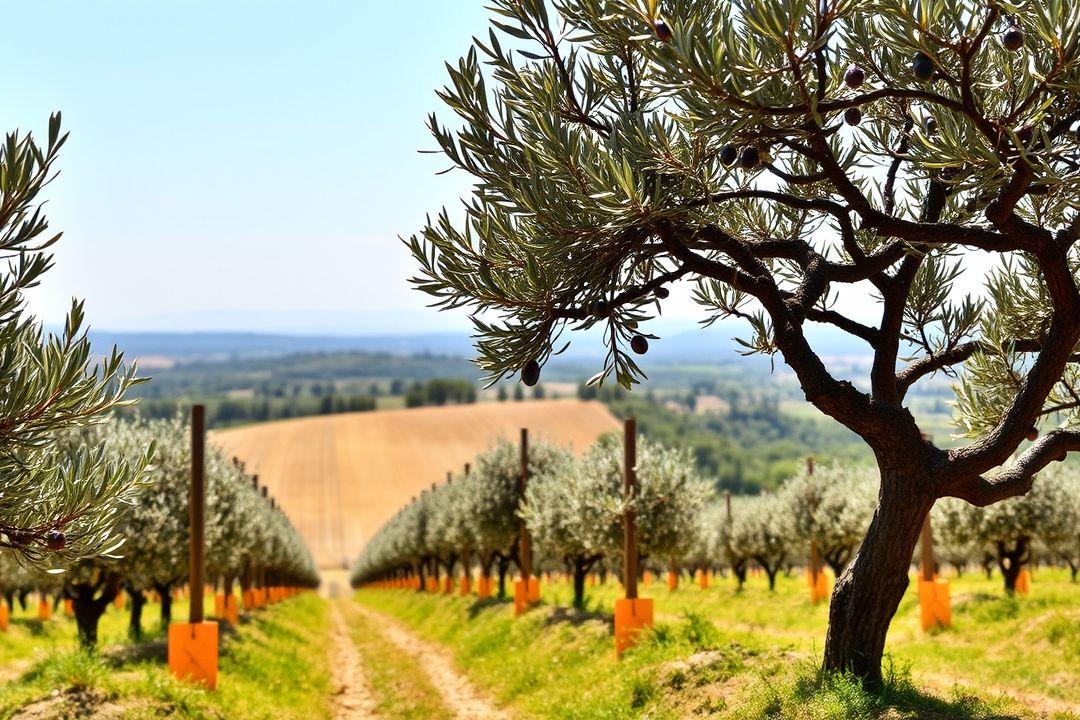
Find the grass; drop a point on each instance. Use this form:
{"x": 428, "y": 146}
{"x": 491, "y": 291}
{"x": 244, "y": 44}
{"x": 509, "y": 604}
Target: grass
{"x": 274, "y": 665}
{"x": 753, "y": 654}
{"x": 401, "y": 687}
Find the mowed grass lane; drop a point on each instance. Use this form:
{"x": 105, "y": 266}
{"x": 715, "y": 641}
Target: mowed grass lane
{"x": 753, "y": 653}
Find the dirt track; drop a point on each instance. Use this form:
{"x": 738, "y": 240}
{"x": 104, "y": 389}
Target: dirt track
{"x": 458, "y": 694}
{"x": 353, "y": 699}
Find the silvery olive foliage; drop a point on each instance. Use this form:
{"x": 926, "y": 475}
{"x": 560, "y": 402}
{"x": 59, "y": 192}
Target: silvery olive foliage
{"x": 1064, "y": 539}
{"x": 831, "y": 506}
{"x": 707, "y": 549}
{"x": 153, "y": 524}
{"x": 667, "y": 504}
{"x": 1014, "y": 529}
{"x": 49, "y": 386}
{"x": 477, "y": 513}
{"x": 954, "y": 534}
{"x": 573, "y": 507}
{"x": 762, "y": 530}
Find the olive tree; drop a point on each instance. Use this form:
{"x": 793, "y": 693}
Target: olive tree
{"x": 831, "y": 506}
{"x": 763, "y": 531}
{"x": 1065, "y": 542}
{"x": 954, "y": 534}
{"x": 558, "y": 514}
{"x": 60, "y": 504}
{"x": 1011, "y": 528}
{"x": 667, "y": 502}
{"x": 774, "y": 152}
{"x": 493, "y": 499}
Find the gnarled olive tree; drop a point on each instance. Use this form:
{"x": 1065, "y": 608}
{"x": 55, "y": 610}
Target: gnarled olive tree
{"x": 774, "y": 151}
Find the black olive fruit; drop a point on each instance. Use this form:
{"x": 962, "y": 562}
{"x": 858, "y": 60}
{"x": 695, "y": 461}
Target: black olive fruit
{"x": 729, "y": 154}
{"x": 662, "y": 292}
{"x": 854, "y": 77}
{"x": 749, "y": 158}
{"x": 639, "y": 344}
{"x": 922, "y": 66}
{"x": 530, "y": 374}
{"x": 599, "y": 308}
{"x": 56, "y": 540}
{"x": 663, "y": 32}
{"x": 930, "y": 125}
{"x": 853, "y": 116}
{"x": 1013, "y": 38}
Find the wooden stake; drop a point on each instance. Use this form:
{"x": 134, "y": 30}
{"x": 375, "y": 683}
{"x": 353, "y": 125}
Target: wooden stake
{"x": 927, "y": 562}
{"x": 197, "y": 513}
{"x": 525, "y": 547}
{"x": 468, "y": 467}
{"x": 630, "y": 550}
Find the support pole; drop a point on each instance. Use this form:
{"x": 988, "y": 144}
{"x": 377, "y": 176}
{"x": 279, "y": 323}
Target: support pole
{"x": 632, "y": 613}
{"x": 197, "y": 514}
{"x": 523, "y": 483}
{"x": 193, "y": 646}
{"x": 526, "y": 590}
{"x": 630, "y": 551}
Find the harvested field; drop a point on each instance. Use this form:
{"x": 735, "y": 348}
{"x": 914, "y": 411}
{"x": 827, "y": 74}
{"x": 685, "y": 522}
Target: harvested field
{"x": 340, "y": 477}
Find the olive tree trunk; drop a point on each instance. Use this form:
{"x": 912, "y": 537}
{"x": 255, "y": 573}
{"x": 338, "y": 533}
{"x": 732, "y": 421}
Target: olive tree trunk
{"x": 872, "y": 585}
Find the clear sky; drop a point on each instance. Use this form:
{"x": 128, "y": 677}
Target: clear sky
{"x": 240, "y": 164}
{"x": 244, "y": 165}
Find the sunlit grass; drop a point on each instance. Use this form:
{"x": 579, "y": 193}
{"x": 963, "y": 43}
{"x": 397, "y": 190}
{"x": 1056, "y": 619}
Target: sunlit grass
{"x": 759, "y": 652}
{"x": 274, "y": 666}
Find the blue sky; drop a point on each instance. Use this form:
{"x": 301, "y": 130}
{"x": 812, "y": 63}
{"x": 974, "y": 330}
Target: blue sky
{"x": 249, "y": 164}
{"x": 241, "y": 164}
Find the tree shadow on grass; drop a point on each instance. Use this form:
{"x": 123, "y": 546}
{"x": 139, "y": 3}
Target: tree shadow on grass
{"x": 155, "y": 650}
{"x": 575, "y": 617}
{"x": 35, "y": 627}
{"x": 482, "y": 604}
{"x": 817, "y": 688}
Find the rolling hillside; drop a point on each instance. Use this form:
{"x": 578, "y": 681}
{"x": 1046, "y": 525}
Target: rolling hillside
{"x": 340, "y": 477}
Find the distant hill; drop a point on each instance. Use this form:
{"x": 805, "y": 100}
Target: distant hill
{"x": 341, "y": 477}
{"x": 680, "y": 343}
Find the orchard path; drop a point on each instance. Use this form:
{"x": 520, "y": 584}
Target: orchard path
{"x": 353, "y": 699}
{"x": 458, "y": 694}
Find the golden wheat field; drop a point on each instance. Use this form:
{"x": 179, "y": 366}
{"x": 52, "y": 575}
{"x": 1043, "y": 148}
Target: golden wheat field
{"x": 342, "y": 476}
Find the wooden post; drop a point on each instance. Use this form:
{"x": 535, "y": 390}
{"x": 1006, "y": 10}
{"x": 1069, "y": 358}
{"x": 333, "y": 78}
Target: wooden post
{"x": 818, "y": 590}
{"x": 526, "y": 590}
{"x": 727, "y": 502}
{"x": 935, "y": 605}
{"x": 630, "y": 551}
{"x": 926, "y": 558}
{"x": 468, "y": 467}
{"x": 193, "y": 646}
{"x": 523, "y": 483}
{"x": 631, "y": 613}
{"x": 197, "y": 514}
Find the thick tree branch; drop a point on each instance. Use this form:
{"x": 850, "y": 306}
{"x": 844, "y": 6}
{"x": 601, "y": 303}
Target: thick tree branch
{"x": 1019, "y": 477}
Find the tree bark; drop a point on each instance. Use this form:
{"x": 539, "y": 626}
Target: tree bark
{"x": 138, "y": 601}
{"x": 165, "y": 591}
{"x": 89, "y": 601}
{"x": 1011, "y": 562}
{"x": 870, "y": 589}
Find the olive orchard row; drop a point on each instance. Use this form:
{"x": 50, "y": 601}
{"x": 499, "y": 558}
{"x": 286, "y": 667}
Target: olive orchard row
{"x": 574, "y": 513}
{"x": 250, "y": 542}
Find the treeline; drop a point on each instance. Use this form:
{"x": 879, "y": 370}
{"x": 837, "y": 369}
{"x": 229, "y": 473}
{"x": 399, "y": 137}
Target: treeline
{"x": 748, "y": 445}
{"x": 440, "y": 391}
{"x": 222, "y": 412}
